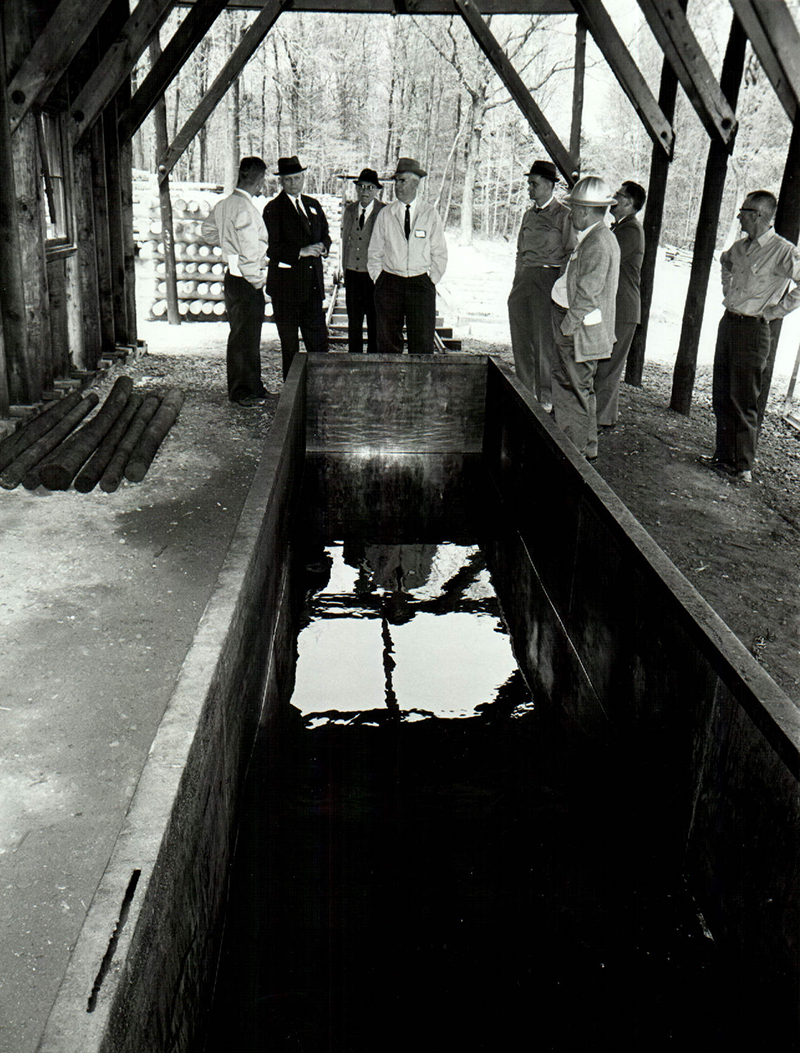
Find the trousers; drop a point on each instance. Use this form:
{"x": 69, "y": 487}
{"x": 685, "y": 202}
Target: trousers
{"x": 574, "y": 401}
{"x": 307, "y": 316}
{"x": 743, "y": 346}
{"x": 608, "y": 379}
{"x": 359, "y": 292}
{"x": 531, "y": 325}
{"x": 410, "y": 300}
{"x": 244, "y": 305}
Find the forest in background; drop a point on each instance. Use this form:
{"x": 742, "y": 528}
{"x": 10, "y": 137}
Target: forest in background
{"x": 348, "y": 91}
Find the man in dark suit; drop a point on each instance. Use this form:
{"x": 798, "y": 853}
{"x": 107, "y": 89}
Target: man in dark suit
{"x": 358, "y": 219}
{"x": 628, "y": 230}
{"x": 298, "y": 240}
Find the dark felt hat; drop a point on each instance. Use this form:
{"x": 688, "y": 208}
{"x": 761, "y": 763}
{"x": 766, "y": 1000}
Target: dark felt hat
{"x": 368, "y": 175}
{"x": 408, "y": 164}
{"x": 289, "y": 166}
{"x": 544, "y": 168}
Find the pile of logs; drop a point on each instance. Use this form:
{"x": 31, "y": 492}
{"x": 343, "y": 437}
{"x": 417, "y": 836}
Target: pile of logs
{"x": 122, "y": 438}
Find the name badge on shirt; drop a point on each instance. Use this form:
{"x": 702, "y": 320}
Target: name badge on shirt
{"x": 420, "y": 234}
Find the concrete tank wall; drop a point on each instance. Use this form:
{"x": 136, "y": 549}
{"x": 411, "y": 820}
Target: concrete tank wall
{"x": 142, "y": 969}
{"x": 603, "y": 625}
{"x": 607, "y": 627}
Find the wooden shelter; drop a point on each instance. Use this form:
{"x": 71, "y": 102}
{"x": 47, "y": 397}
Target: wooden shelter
{"x": 68, "y": 114}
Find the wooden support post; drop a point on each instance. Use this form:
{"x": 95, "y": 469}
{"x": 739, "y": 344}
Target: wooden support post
{"x": 653, "y": 218}
{"x": 577, "y": 93}
{"x": 20, "y": 382}
{"x": 787, "y": 224}
{"x": 115, "y": 228}
{"x": 167, "y": 229}
{"x": 486, "y": 41}
{"x": 162, "y": 71}
{"x": 671, "y": 29}
{"x": 652, "y": 114}
{"x": 21, "y": 25}
{"x": 229, "y": 72}
{"x": 705, "y": 238}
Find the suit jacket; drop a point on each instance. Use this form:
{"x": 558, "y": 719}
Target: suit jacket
{"x": 290, "y": 276}
{"x": 355, "y": 241}
{"x": 630, "y": 236}
{"x": 592, "y": 276}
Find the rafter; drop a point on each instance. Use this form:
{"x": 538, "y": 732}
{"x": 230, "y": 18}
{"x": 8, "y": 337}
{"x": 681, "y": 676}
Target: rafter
{"x": 227, "y": 75}
{"x": 186, "y": 38}
{"x": 63, "y": 37}
{"x": 676, "y": 39}
{"x": 519, "y": 93}
{"x": 117, "y": 63}
{"x": 630, "y": 79}
{"x": 773, "y": 33}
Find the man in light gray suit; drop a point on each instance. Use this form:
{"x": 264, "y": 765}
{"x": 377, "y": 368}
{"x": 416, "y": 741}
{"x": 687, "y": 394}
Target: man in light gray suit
{"x": 584, "y": 307}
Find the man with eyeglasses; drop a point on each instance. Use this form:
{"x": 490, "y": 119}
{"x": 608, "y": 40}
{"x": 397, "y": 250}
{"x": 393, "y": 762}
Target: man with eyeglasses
{"x": 760, "y": 283}
{"x": 629, "y": 234}
{"x": 358, "y": 220}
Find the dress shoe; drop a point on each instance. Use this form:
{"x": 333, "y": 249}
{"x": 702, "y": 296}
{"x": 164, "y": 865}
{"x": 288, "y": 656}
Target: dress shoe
{"x": 716, "y": 464}
{"x": 250, "y": 403}
{"x": 744, "y": 476}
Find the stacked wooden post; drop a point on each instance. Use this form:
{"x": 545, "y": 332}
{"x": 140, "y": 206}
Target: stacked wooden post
{"x": 200, "y": 267}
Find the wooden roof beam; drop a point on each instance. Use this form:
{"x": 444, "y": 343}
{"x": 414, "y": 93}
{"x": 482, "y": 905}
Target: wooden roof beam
{"x": 64, "y": 35}
{"x": 671, "y": 29}
{"x": 110, "y": 74}
{"x": 185, "y": 39}
{"x": 227, "y": 75}
{"x": 415, "y": 7}
{"x": 488, "y": 44}
{"x": 774, "y": 36}
{"x": 626, "y": 71}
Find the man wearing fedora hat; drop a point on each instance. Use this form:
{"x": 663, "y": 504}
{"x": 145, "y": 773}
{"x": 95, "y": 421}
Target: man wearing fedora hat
{"x": 407, "y": 257}
{"x": 546, "y": 238}
{"x": 358, "y": 220}
{"x": 584, "y": 311}
{"x": 235, "y": 224}
{"x": 298, "y": 240}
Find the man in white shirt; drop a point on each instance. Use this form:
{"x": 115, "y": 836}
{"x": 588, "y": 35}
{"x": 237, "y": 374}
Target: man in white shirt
{"x": 406, "y": 259}
{"x": 235, "y": 224}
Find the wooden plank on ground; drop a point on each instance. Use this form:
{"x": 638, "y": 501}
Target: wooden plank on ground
{"x": 676, "y": 39}
{"x": 488, "y": 44}
{"x": 117, "y": 62}
{"x": 628, "y": 75}
{"x": 63, "y": 37}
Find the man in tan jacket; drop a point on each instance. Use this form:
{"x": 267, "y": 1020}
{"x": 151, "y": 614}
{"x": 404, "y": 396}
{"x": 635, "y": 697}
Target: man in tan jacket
{"x": 584, "y": 306}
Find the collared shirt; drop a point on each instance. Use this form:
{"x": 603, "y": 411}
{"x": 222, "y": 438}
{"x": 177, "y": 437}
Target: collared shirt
{"x": 365, "y": 212}
{"x": 761, "y": 277}
{"x": 546, "y": 236}
{"x": 423, "y": 252}
{"x": 558, "y": 294}
{"x": 236, "y": 225}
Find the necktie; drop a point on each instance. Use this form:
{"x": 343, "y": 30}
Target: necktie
{"x": 361, "y": 219}
{"x": 407, "y": 224}
{"x": 300, "y": 211}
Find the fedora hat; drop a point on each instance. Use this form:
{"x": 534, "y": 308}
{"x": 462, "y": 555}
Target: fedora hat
{"x": 289, "y": 166}
{"x": 544, "y": 168}
{"x": 408, "y": 164}
{"x": 591, "y": 190}
{"x": 368, "y": 175}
